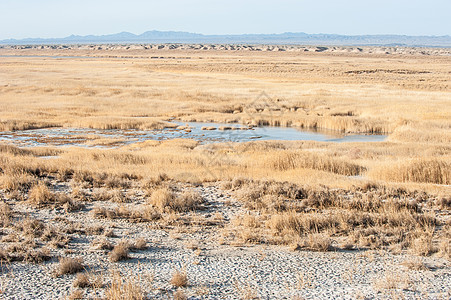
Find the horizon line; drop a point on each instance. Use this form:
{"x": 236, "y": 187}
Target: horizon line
{"x": 236, "y": 34}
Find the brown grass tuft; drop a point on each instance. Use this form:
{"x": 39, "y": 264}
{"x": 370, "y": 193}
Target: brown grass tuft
{"x": 422, "y": 245}
{"x": 288, "y": 160}
{"x": 5, "y": 214}
{"x": 82, "y": 281}
{"x": 40, "y": 194}
{"x": 102, "y": 244}
{"x": 179, "y": 278}
{"x": 162, "y": 198}
{"x": 69, "y": 265}
{"x": 16, "y": 182}
{"x": 120, "y": 252}
{"x": 123, "y": 289}
{"x": 318, "y": 242}
{"x": 76, "y": 295}
{"x": 31, "y": 227}
{"x": 165, "y": 199}
{"x": 436, "y": 171}
{"x": 140, "y": 244}
{"x": 180, "y": 295}
{"x": 415, "y": 264}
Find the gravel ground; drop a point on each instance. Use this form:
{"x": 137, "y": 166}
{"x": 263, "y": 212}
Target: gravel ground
{"x": 218, "y": 271}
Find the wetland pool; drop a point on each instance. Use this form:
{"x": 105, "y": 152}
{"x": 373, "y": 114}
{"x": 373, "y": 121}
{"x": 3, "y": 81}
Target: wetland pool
{"x": 203, "y": 132}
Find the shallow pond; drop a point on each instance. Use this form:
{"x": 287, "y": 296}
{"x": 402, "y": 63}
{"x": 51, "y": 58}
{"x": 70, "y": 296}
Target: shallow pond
{"x": 203, "y": 132}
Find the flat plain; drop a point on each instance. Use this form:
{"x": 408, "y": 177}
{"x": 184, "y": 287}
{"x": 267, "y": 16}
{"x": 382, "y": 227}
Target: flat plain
{"x": 98, "y": 215}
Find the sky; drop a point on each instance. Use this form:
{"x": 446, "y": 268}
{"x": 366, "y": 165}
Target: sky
{"x": 61, "y": 18}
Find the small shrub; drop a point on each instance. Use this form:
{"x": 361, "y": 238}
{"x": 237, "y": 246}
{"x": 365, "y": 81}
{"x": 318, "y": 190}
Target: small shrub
{"x": 16, "y": 183}
{"x": 82, "y": 281}
{"x": 161, "y": 198}
{"x": 180, "y": 295}
{"x": 179, "y": 278}
{"x": 422, "y": 245}
{"x": 69, "y": 265}
{"x": 188, "y": 200}
{"x": 76, "y": 295}
{"x": 4, "y": 257}
{"x": 164, "y": 198}
{"x": 120, "y": 252}
{"x": 140, "y": 244}
{"x": 415, "y": 264}
{"x": 121, "y": 289}
{"x": 102, "y": 244}
{"x": 40, "y": 195}
{"x": 31, "y": 227}
{"x": 94, "y": 230}
{"x": 445, "y": 248}
{"x": 5, "y": 214}
{"x": 318, "y": 242}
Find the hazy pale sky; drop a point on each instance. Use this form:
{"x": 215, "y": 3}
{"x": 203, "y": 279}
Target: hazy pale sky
{"x": 60, "y": 18}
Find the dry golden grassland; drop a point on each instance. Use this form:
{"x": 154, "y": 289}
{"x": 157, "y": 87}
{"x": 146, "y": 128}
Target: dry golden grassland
{"x": 405, "y": 96}
{"x": 393, "y": 195}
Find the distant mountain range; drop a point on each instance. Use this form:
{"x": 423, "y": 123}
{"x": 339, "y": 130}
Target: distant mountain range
{"x": 282, "y": 38}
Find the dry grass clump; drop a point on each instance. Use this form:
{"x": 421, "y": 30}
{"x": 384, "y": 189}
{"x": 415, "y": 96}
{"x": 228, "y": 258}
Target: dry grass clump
{"x": 118, "y": 197}
{"x": 36, "y": 256}
{"x": 152, "y": 183}
{"x": 422, "y": 245}
{"x": 3, "y": 255}
{"x": 318, "y": 242}
{"x": 20, "y": 247}
{"x": 26, "y": 253}
{"x": 268, "y": 195}
{"x": 415, "y": 264}
{"x": 14, "y": 125}
{"x": 108, "y": 123}
{"x": 89, "y": 179}
{"x": 88, "y": 280}
{"x": 179, "y": 278}
{"x": 308, "y": 225}
{"x": 120, "y": 252}
{"x": 20, "y": 182}
{"x": 139, "y": 244}
{"x": 40, "y": 194}
{"x": 188, "y": 200}
{"x": 54, "y": 238}
{"x": 103, "y": 213}
{"x": 140, "y": 214}
{"x": 162, "y": 198}
{"x": 165, "y": 199}
{"x": 76, "y": 295}
{"x": 102, "y": 244}
{"x": 445, "y": 248}
{"x": 436, "y": 171}
{"x": 31, "y": 227}
{"x": 122, "y": 249}
{"x": 392, "y": 280}
{"x": 431, "y": 134}
{"x": 82, "y": 281}
{"x": 115, "y": 182}
{"x": 373, "y": 217}
{"x": 100, "y": 196}
{"x": 5, "y": 214}
{"x": 122, "y": 289}
{"x": 95, "y": 230}
{"x": 69, "y": 265}
{"x": 180, "y": 295}
{"x": 288, "y": 160}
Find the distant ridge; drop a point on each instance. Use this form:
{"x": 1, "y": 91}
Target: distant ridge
{"x": 295, "y": 38}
